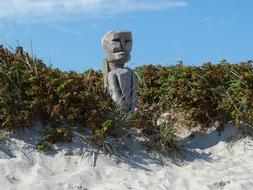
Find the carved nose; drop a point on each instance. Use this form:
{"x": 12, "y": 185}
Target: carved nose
{"x": 122, "y": 43}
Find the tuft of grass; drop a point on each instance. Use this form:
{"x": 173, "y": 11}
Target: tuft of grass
{"x": 3, "y": 135}
{"x": 168, "y": 138}
{"x": 44, "y": 147}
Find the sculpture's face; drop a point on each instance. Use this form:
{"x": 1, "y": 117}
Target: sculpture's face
{"x": 118, "y": 45}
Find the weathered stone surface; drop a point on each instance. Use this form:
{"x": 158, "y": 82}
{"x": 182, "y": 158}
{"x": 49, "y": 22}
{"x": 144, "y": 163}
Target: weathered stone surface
{"x": 119, "y": 81}
{"x": 122, "y": 87}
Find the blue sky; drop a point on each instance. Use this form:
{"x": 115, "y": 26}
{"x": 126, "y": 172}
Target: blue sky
{"x": 67, "y": 33}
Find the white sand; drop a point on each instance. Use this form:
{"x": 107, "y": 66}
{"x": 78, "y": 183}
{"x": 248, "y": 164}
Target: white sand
{"x": 207, "y": 163}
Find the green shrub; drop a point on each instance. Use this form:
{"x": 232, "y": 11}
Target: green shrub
{"x": 29, "y": 91}
{"x": 199, "y": 95}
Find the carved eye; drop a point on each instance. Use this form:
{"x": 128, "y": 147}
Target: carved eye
{"x": 128, "y": 41}
{"x": 116, "y": 40}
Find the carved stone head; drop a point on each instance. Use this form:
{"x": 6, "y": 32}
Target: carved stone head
{"x": 117, "y": 45}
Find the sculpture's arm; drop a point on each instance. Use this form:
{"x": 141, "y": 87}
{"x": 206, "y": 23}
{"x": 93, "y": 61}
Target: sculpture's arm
{"x": 114, "y": 88}
{"x": 105, "y": 73}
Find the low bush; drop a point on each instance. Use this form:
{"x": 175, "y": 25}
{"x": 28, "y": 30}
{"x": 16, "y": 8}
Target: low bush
{"x": 195, "y": 96}
{"x": 30, "y": 91}
{"x": 199, "y": 95}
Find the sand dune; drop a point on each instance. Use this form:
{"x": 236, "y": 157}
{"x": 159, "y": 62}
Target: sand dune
{"x": 207, "y": 162}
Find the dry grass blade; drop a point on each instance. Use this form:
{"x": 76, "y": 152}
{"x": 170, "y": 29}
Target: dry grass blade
{"x": 4, "y": 137}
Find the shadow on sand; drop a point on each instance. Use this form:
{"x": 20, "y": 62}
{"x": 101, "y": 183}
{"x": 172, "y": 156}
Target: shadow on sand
{"x": 132, "y": 151}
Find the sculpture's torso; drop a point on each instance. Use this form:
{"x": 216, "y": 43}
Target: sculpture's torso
{"x": 122, "y": 87}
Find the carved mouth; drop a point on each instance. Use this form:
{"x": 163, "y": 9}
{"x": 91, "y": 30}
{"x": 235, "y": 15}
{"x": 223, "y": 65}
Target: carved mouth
{"x": 121, "y": 54}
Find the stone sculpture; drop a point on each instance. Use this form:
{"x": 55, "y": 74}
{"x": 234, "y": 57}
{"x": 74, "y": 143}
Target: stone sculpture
{"x": 119, "y": 81}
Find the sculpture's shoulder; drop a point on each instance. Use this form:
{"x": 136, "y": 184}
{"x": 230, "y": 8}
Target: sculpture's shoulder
{"x": 121, "y": 71}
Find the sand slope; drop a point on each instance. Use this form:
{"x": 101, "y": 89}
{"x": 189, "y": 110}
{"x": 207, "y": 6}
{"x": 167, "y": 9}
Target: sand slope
{"x": 208, "y": 162}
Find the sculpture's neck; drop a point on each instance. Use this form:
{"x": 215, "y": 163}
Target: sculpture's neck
{"x": 114, "y": 66}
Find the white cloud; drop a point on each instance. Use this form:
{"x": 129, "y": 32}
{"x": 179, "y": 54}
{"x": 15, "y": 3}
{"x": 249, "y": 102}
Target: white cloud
{"x": 24, "y": 10}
